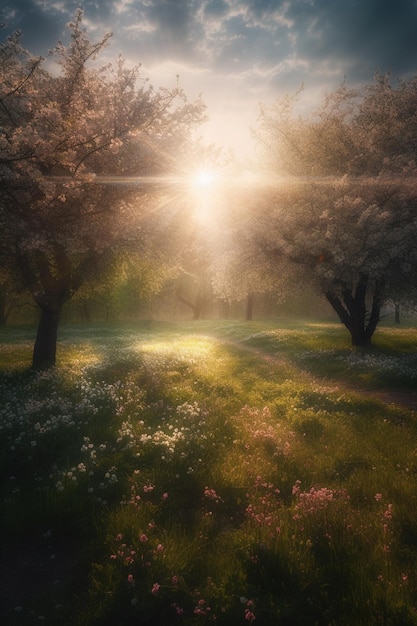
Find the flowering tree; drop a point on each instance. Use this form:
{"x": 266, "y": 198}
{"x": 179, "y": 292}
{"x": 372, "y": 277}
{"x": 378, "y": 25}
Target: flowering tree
{"x": 68, "y": 135}
{"x": 343, "y": 197}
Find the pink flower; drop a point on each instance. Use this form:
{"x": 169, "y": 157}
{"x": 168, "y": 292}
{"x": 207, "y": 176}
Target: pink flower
{"x": 175, "y": 580}
{"x": 165, "y": 496}
{"x": 177, "y": 609}
{"x": 198, "y": 611}
{"x": 143, "y": 538}
{"x": 212, "y": 495}
{"x": 249, "y": 616}
{"x": 130, "y": 579}
{"x": 296, "y": 488}
{"x": 159, "y": 547}
{"x": 155, "y": 589}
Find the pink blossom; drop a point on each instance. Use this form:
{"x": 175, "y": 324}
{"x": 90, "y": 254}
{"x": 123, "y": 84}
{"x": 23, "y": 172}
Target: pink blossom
{"x": 212, "y": 495}
{"x": 130, "y": 579}
{"x": 296, "y": 488}
{"x": 159, "y": 547}
{"x": 177, "y": 609}
{"x": 249, "y": 616}
{"x": 143, "y": 538}
{"x": 155, "y": 589}
{"x": 388, "y": 512}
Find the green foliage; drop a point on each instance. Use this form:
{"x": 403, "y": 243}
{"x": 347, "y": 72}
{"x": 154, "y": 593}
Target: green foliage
{"x": 201, "y": 476}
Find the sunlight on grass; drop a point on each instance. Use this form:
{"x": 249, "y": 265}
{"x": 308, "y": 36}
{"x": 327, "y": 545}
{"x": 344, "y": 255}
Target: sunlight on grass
{"x": 193, "y": 347}
{"x": 199, "y": 482}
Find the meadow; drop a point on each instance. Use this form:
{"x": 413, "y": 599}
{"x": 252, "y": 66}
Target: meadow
{"x": 222, "y": 473}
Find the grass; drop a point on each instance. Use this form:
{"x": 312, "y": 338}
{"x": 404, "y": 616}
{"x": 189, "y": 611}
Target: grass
{"x": 172, "y": 475}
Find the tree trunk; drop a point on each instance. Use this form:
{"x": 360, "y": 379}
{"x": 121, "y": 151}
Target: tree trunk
{"x": 44, "y": 352}
{"x": 197, "y": 307}
{"x": 249, "y": 307}
{"x": 3, "y": 307}
{"x": 352, "y": 312}
{"x": 397, "y": 313}
{"x": 6, "y": 303}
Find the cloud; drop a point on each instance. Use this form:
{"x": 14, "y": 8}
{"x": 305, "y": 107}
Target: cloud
{"x": 360, "y": 36}
{"x": 238, "y": 52}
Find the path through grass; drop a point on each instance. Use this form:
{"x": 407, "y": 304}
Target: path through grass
{"x": 166, "y": 476}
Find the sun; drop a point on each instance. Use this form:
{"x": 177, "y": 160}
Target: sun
{"x": 204, "y": 193}
{"x": 203, "y": 179}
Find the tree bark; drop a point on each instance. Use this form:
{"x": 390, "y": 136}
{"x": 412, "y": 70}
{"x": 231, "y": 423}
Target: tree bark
{"x": 51, "y": 281}
{"x": 249, "y": 307}
{"x": 197, "y": 307}
{"x": 3, "y": 305}
{"x": 352, "y": 312}
{"x": 44, "y": 352}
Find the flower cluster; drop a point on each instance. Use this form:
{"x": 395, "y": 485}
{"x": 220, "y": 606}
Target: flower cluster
{"x": 314, "y": 500}
{"x": 264, "y": 506}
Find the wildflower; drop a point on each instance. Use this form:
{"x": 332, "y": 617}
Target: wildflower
{"x": 175, "y": 580}
{"x": 159, "y": 547}
{"x": 378, "y": 497}
{"x": 177, "y": 609}
{"x": 143, "y": 538}
{"x": 212, "y": 495}
{"x": 388, "y": 512}
{"x": 155, "y": 589}
{"x": 249, "y": 614}
{"x": 130, "y": 579}
{"x": 296, "y": 488}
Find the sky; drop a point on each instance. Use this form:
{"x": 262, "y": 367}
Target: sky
{"x": 237, "y": 53}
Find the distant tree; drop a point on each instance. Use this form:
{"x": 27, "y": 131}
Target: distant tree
{"x": 240, "y": 269}
{"x": 68, "y": 135}
{"x": 342, "y": 199}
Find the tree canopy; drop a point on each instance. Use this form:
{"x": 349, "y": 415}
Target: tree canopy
{"x": 70, "y": 130}
{"x": 89, "y": 152}
{"x": 343, "y": 197}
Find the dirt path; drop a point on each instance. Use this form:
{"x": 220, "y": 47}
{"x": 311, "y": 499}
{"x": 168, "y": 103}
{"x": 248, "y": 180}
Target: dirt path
{"x": 405, "y": 399}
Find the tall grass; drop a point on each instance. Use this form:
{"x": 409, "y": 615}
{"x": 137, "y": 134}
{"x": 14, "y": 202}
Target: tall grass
{"x": 196, "y": 482}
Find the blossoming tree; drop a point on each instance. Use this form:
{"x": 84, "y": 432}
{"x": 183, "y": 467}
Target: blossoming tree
{"x": 70, "y": 129}
{"x": 343, "y": 197}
